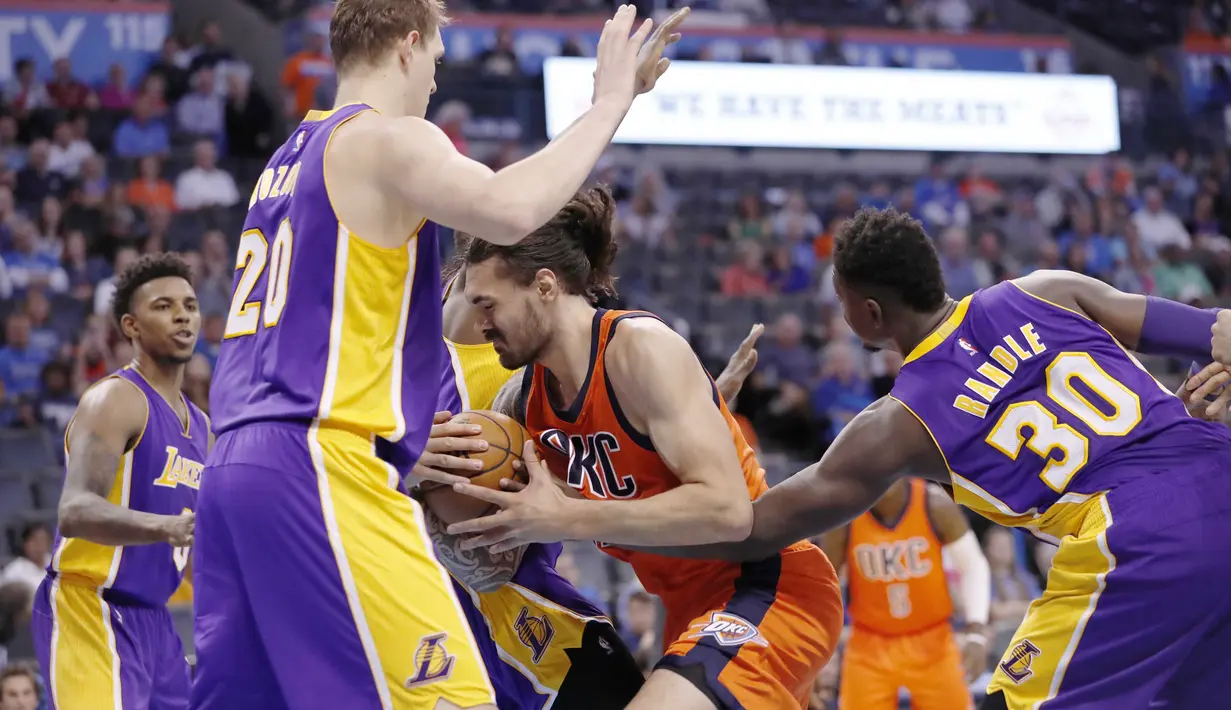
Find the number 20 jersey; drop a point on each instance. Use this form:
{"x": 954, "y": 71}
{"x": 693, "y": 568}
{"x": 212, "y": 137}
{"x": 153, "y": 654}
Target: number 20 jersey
{"x": 324, "y": 324}
{"x": 1036, "y": 408}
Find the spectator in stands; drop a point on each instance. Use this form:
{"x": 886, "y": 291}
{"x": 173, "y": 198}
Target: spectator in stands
{"x": 991, "y": 265}
{"x": 141, "y": 134}
{"x": 67, "y": 92}
{"x": 215, "y": 274}
{"x": 205, "y": 184}
{"x": 50, "y": 225}
{"x": 30, "y": 565}
{"x": 196, "y": 381}
{"x": 149, "y": 189}
{"x": 843, "y": 390}
{"x": 784, "y": 275}
{"x": 302, "y": 75}
{"x": 57, "y": 402}
{"x": 25, "y": 93}
{"x": 1100, "y": 252}
{"x": 116, "y": 94}
{"x": 200, "y": 113}
{"x": 785, "y": 357}
{"x": 38, "y": 180}
{"x": 153, "y": 89}
{"x": 796, "y": 208}
{"x": 643, "y": 221}
{"x": 1179, "y": 278}
{"x": 157, "y": 229}
{"x": 961, "y": 278}
{"x": 1158, "y": 226}
{"x": 11, "y": 152}
{"x": 31, "y": 266}
{"x": 249, "y": 119}
{"x": 92, "y": 183}
{"x": 95, "y": 356}
{"x": 42, "y": 336}
{"x": 211, "y": 51}
{"x": 639, "y": 627}
{"x": 19, "y": 687}
{"x": 750, "y": 221}
{"x": 81, "y": 270}
{"x": 21, "y": 364}
{"x": 124, "y": 257}
{"x": 68, "y": 151}
{"x": 1012, "y": 587}
{"x": 746, "y": 277}
{"x": 172, "y": 68}
{"x": 566, "y": 566}
{"x": 806, "y": 249}
{"x": 501, "y": 58}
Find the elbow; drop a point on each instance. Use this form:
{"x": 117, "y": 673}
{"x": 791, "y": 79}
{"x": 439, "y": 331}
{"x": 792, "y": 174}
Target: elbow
{"x": 69, "y": 517}
{"x": 733, "y": 521}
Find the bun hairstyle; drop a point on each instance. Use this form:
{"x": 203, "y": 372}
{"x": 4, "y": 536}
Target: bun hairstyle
{"x": 578, "y": 244}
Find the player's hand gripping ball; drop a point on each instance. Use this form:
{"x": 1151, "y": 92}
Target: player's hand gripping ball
{"x": 505, "y": 440}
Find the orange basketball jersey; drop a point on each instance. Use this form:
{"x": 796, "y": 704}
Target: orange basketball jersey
{"x": 897, "y": 576}
{"x": 592, "y": 447}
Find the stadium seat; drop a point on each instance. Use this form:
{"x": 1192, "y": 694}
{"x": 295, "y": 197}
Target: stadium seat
{"x": 15, "y": 497}
{"x": 25, "y": 451}
{"x": 48, "y": 485}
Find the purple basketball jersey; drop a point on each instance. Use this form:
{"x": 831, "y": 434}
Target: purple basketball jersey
{"x": 1034, "y": 404}
{"x": 160, "y": 475}
{"x": 324, "y": 324}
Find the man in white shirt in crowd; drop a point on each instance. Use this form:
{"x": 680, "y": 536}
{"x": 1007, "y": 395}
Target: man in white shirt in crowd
{"x": 1157, "y": 226}
{"x": 204, "y": 184}
{"x": 68, "y": 151}
{"x": 201, "y": 111}
{"x": 31, "y": 566}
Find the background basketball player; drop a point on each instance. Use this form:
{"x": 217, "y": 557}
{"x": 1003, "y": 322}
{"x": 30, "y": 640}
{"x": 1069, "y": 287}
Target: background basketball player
{"x": 1024, "y": 398}
{"x": 629, "y": 419}
{"x": 899, "y": 603}
{"x": 312, "y": 563}
{"x": 135, "y": 449}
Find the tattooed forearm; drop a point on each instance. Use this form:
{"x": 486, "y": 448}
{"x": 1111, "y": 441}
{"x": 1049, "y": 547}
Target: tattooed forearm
{"x": 480, "y": 569}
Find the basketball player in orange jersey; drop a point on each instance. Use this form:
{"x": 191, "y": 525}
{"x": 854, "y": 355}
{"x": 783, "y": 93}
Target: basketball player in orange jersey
{"x": 627, "y": 418}
{"x": 899, "y": 601}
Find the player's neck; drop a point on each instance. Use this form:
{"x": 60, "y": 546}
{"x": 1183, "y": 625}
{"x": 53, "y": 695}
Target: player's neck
{"x": 378, "y": 87}
{"x": 166, "y": 378}
{"x": 917, "y": 327}
{"x": 568, "y": 356}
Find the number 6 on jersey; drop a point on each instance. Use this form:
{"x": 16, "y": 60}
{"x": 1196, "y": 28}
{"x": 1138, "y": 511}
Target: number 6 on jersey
{"x": 254, "y": 254}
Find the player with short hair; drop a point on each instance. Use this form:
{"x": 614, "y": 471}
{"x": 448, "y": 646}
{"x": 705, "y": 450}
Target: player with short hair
{"x": 1025, "y": 399}
{"x": 626, "y": 417}
{"x": 134, "y": 452}
{"x": 312, "y": 563}
{"x": 899, "y": 602}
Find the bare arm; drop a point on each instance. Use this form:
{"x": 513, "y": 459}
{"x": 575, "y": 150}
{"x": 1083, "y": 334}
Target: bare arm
{"x": 871, "y": 453}
{"x": 665, "y": 392}
{"x": 108, "y": 422}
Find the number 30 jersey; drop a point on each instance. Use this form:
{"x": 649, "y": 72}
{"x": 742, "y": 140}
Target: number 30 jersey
{"x": 1036, "y": 409}
{"x": 323, "y": 324}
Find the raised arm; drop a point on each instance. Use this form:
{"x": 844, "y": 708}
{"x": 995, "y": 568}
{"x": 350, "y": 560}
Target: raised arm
{"x": 877, "y": 447}
{"x": 1147, "y": 324}
{"x": 420, "y": 165}
{"x": 108, "y": 424}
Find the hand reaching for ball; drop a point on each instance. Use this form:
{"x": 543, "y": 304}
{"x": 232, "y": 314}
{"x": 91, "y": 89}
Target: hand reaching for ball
{"x": 440, "y": 462}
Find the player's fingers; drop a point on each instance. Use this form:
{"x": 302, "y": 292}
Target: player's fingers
{"x": 441, "y": 417}
{"x": 534, "y": 468}
{"x": 450, "y": 444}
{"x": 1211, "y": 384}
{"x": 643, "y": 31}
{"x": 1217, "y": 408}
{"x": 435, "y": 475}
{"x": 1205, "y": 373}
{"x": 661, "y": 67}
{"x": 454, "y": 429}
{"x": 750, "y": 341}
{"x": 500, "y": 498}
{"x": 449, "y": 462}
{"x": 481, "y": 524}
{"x": 675, "y": 20}
{"x": 494, "y": 537}
{"x": 508, "y": 484}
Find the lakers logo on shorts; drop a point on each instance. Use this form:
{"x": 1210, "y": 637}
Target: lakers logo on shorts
{"x": 1021, "y": 656}
{"x": 731, "y": 630}
{"x": 536, "y": 632}
{"x": 432, "y": 661}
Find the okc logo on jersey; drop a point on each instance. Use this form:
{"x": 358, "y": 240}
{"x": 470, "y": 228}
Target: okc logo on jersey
{"x": 970, "y": 349}
{"x": 432, "y": 661}
{"x": 535, "y": 632}
{"x": 731, "y": 630}
{"x": 1021, "y": 657}
{"x": 590, "y": 462}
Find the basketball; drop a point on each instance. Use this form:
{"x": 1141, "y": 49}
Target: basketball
{"x": 505, "y": 441}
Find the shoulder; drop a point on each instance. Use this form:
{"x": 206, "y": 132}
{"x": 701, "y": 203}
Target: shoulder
{"x": 113, "y": 402}
{"x": 644, "y": 339}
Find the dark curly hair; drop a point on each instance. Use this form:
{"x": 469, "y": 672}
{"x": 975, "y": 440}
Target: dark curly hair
{"x": 887, "y": 251}
{"x": 578, "y": 245}
{"x": 145, "y": 270}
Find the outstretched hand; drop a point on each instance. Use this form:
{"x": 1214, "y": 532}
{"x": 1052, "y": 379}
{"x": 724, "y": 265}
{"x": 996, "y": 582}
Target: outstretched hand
{"x": 651, "y": 64}
{"x": 439, "y": 463}
{"x": 732, "y": 378}
{"x": 536, "y": 513}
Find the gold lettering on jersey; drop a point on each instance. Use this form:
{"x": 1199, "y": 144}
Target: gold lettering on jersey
{"x": 982, "y": 389}
{"x": 897, "y": 561}
{"x": 1032, "y": 338}
{"x": 999, "y": 377}
{"x": 179, "y": 471}
{"x": 995, "y": 374}
{"x": 1002, "y": 356}
{"x": 968, "y": 405}
{"x": 275, "y": 184}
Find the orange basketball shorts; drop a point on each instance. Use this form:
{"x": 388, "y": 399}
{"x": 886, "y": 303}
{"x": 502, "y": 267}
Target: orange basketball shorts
{"x": 773, "y": 627}
{"x": 928, "y": 664}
